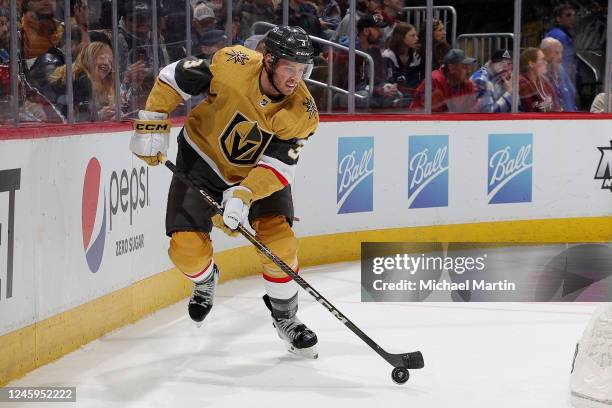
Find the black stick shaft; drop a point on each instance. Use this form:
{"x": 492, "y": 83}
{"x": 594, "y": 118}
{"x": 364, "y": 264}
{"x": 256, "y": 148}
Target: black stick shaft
{"x": 390, "y": 358}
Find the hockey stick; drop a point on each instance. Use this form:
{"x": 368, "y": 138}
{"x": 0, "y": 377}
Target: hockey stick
{"x": 400, "y": 362}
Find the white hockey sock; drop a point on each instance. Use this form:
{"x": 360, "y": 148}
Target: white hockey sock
{"x": 203, "y": 275}
{"x": 282, "y": 291}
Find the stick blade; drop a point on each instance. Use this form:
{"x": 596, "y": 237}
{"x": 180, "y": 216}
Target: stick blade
{"x": 411, "y": 361}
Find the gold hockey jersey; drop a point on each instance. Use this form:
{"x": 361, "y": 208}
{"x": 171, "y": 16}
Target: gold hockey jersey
{"x": 242, "y": 134}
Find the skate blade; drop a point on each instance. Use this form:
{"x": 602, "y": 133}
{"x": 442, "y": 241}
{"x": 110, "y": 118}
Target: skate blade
{"x": 309, "y": 352}
{"x": 581, "y": 401}
{"x": 198, "y": 324}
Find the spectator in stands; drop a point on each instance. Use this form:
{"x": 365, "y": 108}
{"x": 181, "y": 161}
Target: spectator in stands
{"x": 76, "y": 41}
{"x": 4, "y": 37}
{"x": 105, "y": 21}
{"x": 175, "y": 36}
{"x": 79, "y": 16}
{"x": 493, "y": 82}
{"x": 536, "y": 93}
{"x": 40, "y": 29}
{"x": 303, "y": 13}
{"x": 93, "y": 84}
{"x": 135, "y": 53}
{"x": 236, "y": 24}
{"x": 370, "y": 31}
{"x": 402, "y": 61}
{"x": 33, "y": 106}
{"x": 384, "y": 94}
{"x": 5, "y": 4}
{"x": 599, "y": 103}
{"x": 439, "y": 45}
{"x": 203, "y": 21}
{"x": 216, "y": 5}
{"x": 45, "y": 64}
{"x": 363, "y": 7}
{"x": 256, "y": 10}
{"x": 162, "y": 20}
{"x": 42, "y": 68}
{"x": 451, "y": 88}
{"x": 390, "y": 13}
{"x": 565, "y": 19}
{"x": 211, "y": 42}
{"x": 135, "y": 36}
{"x": 329, "y": 17}
{"x": 100, "y": 36}
{"x": 557, "y": 75}
{"x": 256, "y": 42}
{"x": 236, "y": 38}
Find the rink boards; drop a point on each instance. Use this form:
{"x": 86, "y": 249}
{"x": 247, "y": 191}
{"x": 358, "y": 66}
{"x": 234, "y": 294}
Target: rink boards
{"x": 82, "y": 243}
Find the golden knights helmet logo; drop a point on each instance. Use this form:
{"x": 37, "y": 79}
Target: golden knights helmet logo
{"x": 243, "y": 142}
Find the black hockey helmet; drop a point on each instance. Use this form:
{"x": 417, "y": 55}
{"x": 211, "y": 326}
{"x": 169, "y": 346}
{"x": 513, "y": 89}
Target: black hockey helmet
{"x": 290, "y": 43}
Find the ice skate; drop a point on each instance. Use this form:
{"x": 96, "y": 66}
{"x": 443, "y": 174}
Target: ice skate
{"x": 591, "y": 378}
{"x": 201, "y": 300}
{"x": 298, "y": 338}
{"x": 590, "y": 391}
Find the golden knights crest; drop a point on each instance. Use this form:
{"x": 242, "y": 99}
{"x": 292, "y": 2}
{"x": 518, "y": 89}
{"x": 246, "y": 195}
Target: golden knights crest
{"x": 243, "y": 142}
{"x": 237, "y": 57}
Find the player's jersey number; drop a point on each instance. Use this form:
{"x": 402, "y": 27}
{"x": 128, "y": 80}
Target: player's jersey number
{"x": 294, "y": 152}
{"x": 192, "y": 63}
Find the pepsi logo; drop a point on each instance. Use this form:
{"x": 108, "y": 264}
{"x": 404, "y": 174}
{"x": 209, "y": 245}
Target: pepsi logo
{"x": 93, "y": 215}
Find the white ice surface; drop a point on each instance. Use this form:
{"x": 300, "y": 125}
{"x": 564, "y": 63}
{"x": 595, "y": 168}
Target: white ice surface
{"x": 477, "y": 355}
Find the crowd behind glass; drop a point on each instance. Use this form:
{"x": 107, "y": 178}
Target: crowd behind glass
{"x": 112, "y": 50}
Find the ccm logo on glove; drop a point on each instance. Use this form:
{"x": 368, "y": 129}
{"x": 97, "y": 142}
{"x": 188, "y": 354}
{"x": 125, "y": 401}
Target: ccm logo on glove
{"x": 152, "y": 127}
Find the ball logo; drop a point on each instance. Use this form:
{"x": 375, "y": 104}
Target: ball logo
{"x": 428, "y": 171}
{"x": 355, "y": 175}
{"x": 93, "y": 215}
{"x": 510, "y": 168}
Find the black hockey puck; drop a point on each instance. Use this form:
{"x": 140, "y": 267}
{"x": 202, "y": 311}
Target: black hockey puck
{"x": 400, "y": 375}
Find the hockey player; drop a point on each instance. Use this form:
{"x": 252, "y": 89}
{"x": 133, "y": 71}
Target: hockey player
{"x": 242, "y": 144}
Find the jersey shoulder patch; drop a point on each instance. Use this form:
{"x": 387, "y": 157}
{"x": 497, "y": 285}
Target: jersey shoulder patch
{"x": 237, "y": 55}
{"x": 231, "y": 66}
{"x": 307, "y": 102}
{"x": 311, "y": 107}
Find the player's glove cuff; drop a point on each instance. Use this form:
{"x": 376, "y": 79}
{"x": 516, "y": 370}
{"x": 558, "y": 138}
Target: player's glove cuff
{"x": 149, "y": 122}
{"x": 241, "y": 192}
{"x": 152, "y": 160}
{"x": 217, "y": 221}
{"x": 236, "y": 203}
{"x": 150, "y": 136}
